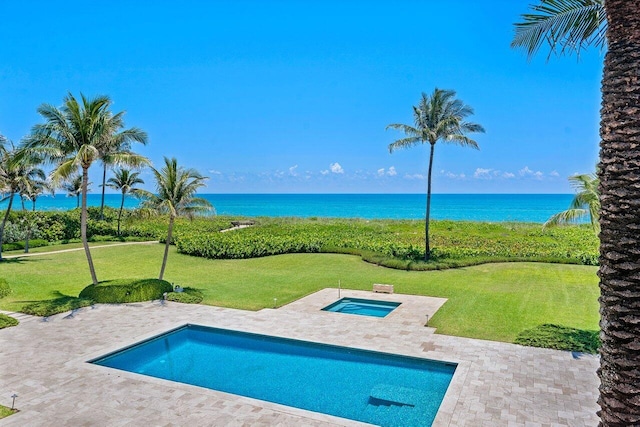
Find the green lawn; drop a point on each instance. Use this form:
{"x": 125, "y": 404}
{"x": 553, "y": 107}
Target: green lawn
{"x": 5, "y": 412}
{"x": 490, "y": 301}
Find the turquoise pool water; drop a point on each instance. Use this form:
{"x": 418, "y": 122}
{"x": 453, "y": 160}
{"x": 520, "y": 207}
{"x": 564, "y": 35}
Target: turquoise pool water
{"x": 372, "y": 387}
{"x": 362, "y": 307}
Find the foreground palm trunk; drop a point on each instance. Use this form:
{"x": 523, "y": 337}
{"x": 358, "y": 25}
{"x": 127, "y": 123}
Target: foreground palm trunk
{"x": 619, "y": 174}
{"x": 83, "y": 225}
{"x": 427, "y": 245}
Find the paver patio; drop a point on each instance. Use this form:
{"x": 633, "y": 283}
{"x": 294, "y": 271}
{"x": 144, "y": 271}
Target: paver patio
{"x": 495, "y": 384}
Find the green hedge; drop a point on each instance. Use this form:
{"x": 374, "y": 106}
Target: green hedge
{"x": 19, "y": 246}
{"x": 187, "y": 296}
{"x": 122, "y": 291}
{"x": 4, "y": 288}
{"x": 54, "y": 306}
{"x": 7, "y": 321}
{"x": 560, "y": 338}
{"x": 398, "y": 244}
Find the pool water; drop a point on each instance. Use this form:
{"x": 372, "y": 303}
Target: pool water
{"x": 362, "y": 307}
{"x": 372, "y": 387}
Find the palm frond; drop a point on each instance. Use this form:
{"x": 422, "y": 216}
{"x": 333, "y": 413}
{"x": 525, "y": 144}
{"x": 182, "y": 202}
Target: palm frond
{"x": 570, "y": 25}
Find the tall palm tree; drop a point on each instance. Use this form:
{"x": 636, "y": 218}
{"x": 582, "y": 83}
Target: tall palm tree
{"x": 586, "y": 203}
{"x": 438, "y": 117}
{"x": 125, "y": 181}
{"x": 175, "y": 196}
{"x": 73, "y": 187}
{"x": 17, "y": 174}
{"x": 118, "y": 143}
{"x": 73, "y": 137}
{"x": 619, "y": 175}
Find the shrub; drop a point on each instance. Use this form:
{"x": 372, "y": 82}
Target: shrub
{"x": 560, "y": 338}
{"x": 7, "y": 321}
{"x": 187, "y": 296}
{"x": 19, "y": 246}
{"x": 4, "y": 288}
{"x": 126, "y": 290}
{"x": 54, "y": 306}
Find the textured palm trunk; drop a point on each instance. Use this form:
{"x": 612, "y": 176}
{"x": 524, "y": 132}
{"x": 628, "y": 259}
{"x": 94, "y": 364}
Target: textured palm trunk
{"x": 120, "y": 213}
{"x": 104, "y": 180}
{"x": 4, "y": 221}
{"x": 427, "y": 216}
{"x": 166, "y": 247}
{"x": 83, "y": 225}
{"x": 619, "y": 174}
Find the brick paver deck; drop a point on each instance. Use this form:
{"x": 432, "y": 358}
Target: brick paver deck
{"x": 495, "y": 384}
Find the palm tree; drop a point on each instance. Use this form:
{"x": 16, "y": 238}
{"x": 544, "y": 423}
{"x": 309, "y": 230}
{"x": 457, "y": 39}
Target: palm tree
{"x": 585, "y": 203}
{"x": 117, "y": 144}
{"x": 38, "y": 186}
{"x": 618, "y": 174}
{"x": 439, "y": 117}
{"x": 73, "y": 187}
{"x": 175, "y": 191}
{"x": 124, "y": 180}
{"x": 17, "y": 174}
{"x": 73, "y": 137}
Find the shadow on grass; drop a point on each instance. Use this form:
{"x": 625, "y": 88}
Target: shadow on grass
{"x": 560, "y": 338}
{"x": 23, "y": 260}
{"x": 59, "y": 304}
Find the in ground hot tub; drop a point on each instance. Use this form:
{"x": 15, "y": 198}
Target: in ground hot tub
{"x": 362, "y": 307}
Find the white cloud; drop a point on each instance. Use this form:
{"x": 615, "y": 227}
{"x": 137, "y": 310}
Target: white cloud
{"x": 554, "y": 173}
{"x": 414, "y": 176}
{"x": 452, "y": 175}
{"x": 381, "y": 172}
{"x": 481, "y": 173}
{"x": 538, "y": 175}
{"x": 525, "y": 171}
{"x": 508, "y": 175}
{"x": 324, "y": 172}
{"x": 292, "y": 170}
{"x": 391, "y": 171}
{"x": 214, "y": 172}
{"x": 336, "y": 168}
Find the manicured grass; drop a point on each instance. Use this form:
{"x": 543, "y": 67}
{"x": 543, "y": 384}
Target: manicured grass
{"x": 491, "y": 301}
{"x": 561, "y": 338}
{"x": 5, "y": 412}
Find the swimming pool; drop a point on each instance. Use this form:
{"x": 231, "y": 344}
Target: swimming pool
{"x": 362, "y": 307}
{"x": 361, "y": 385}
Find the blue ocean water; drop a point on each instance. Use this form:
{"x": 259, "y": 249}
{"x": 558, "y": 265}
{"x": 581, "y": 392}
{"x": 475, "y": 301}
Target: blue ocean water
{"x": 474, "y": 207}
{"x": 373, "y": 387}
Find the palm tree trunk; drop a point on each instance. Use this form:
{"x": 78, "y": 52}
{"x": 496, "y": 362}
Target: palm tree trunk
{"x": 78, "y": 200}
{"x": 22, "y": 200}
{"x": 104, "y": 180}
{"x": 166, "y": 247}
{"x": 427, "y": 251}
{"x": 26, "y": 240}
{"x": 83, "y": 225}
{"x": 33, "y": 209}
{"x": 619, "y": 173}
{"x": 4, "y": 221}
{"x": 120, "y": 213}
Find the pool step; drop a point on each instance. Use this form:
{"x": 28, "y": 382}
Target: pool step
{"x": 387, "y": 394}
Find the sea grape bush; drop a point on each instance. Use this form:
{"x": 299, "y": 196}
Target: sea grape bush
{"x": 402, "y": 240}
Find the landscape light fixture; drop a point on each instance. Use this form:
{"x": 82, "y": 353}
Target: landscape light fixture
{"x": 13, "y": 401}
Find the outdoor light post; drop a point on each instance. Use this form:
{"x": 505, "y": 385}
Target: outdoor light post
{"x": 13, "y": 401}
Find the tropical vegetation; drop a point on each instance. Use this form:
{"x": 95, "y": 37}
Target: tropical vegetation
{"x": 586, "y": 203}
{"x": 175, "y": 196}
{"x": 573, "y": 24}
{"x": 73, "y": 137}
{"x": 437, "y": 117}
{"x": 124, "y": 180}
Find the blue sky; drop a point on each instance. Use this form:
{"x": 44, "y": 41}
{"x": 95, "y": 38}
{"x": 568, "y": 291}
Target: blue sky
{"x": 294, "y": 96}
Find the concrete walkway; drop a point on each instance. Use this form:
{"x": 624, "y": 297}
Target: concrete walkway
{"x": 78, "y": 249}
{"x": 495, "y": 384}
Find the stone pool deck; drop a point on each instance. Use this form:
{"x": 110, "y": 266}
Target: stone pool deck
{"x": 495, "y": 384}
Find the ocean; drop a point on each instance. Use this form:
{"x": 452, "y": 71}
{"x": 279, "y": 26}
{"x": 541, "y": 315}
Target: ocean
{"x": 474, "y": 207}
